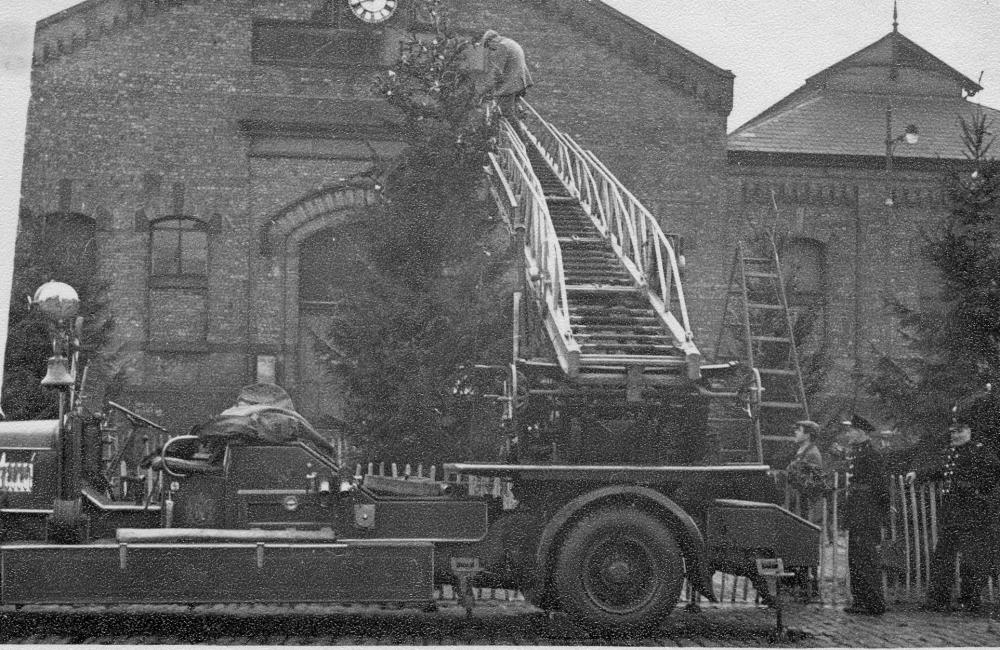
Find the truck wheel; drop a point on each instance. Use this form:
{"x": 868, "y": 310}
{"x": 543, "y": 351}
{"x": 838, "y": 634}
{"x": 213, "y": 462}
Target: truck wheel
{"x": 620, "y": 569}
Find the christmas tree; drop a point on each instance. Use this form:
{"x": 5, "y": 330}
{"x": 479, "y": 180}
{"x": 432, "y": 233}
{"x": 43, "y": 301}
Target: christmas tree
{"x": 436, "y": 297}
{"x": 953, "y": 344}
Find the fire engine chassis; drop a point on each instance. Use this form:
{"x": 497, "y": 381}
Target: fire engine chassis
{"x": 236, "y": 514}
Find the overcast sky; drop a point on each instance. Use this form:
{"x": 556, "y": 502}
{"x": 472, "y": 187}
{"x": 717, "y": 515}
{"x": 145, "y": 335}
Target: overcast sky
{"x": 771, "y": 46}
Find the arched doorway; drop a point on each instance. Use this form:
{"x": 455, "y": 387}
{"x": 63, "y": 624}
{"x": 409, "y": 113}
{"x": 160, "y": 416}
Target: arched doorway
{"x": 333, "y": 267}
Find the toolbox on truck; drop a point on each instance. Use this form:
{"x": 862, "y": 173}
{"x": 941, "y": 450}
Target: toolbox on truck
{"x": 733, "y": 525}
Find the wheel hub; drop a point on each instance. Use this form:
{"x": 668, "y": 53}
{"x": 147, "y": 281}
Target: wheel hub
{"x": 617, "y": 572}
{"x": 620, "y": 577}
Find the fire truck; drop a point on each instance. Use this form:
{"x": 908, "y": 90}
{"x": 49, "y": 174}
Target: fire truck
{"x": 621, "y": 459}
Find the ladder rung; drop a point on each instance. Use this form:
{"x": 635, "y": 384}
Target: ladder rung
{"x": 769, "y": 339}
{"x": 776, "y": 371}
{"x": 758, "y": 260}
{"x": 602, "y": 288}
{"x": 763, "y": 305}
{"x": 576, "y": 239}
{"x": 761, "y": 274}
{"x": 781, "y": 405}
{"x": 605, "y": 360}
{"x": 779, "y": 438}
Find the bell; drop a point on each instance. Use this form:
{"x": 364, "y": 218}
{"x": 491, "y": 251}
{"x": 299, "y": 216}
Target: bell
{"x": 57, "y": 375}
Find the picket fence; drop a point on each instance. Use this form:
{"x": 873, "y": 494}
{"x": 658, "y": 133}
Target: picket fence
{"x": 909, "y": 538}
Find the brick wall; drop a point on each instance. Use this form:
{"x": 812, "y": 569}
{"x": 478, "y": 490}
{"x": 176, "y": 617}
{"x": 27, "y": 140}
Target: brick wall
{"x": 131, "y": 104}
{"x": 873, "y": 253}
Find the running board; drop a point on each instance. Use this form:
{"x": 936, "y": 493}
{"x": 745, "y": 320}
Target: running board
{"x": 213, "y": 573}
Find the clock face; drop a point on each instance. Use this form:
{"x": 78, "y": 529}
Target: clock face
{"x": 373, "y": 11}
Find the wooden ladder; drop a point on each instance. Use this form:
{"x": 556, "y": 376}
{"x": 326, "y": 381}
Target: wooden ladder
{"x": 757, "y": 328}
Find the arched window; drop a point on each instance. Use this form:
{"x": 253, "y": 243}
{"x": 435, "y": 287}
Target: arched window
{"x": 179, "y": 252}
{"x": 803, "y": 265}
{"x": 804, "y": 269}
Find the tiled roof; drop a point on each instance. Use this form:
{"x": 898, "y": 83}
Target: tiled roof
{"x": 854, "y": 124}
{"x": 842, "y": 110}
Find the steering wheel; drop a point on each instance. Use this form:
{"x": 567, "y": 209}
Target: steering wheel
{"x": 134, "y": 418}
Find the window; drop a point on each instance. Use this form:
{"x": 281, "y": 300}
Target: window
{"x": 803, "y": 264}
{"x": 179, "y": 252}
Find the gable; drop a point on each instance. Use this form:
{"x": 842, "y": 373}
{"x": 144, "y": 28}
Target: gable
{"x": 894, "y": 57}
{"x": 67, "y": 31}
{"x": 652, "y": 52}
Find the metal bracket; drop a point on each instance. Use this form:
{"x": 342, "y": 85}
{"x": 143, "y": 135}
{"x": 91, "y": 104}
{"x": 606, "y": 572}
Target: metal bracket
{"x": 633, "y": 389}
{"x": 364, "y": 515}
{"x": 772, "y": 570}
{"x": 465, "y": 570}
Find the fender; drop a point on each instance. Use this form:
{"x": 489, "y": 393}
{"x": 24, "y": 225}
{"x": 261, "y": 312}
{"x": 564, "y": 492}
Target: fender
{"x": 692, "y": 543}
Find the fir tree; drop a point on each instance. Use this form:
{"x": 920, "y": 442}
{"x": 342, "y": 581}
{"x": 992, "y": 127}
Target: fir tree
{"x": 954, "y": 343}
{"x": 436, "y": 296}
{"x": 62, "y": 250}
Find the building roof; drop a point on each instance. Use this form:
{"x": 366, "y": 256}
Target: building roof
{"x": 854, "y": 124}
{"x": 843, "y": 109}
{"x": 894, "y": 49}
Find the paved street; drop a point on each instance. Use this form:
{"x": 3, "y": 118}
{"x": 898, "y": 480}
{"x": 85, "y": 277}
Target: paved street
{"x": 495, "y": 622}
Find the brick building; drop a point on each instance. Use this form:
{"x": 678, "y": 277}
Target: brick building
{"x": 851, "y": 227}
{"x": 207, "y": 148}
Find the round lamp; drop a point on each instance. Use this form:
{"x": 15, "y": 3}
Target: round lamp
{"x": 56, "y": 300}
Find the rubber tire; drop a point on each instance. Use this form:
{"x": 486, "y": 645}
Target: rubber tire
{"x": 612, "y": 540}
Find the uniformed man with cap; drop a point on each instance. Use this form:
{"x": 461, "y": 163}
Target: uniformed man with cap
{"x": 866, "y": 510}
{"x": 968, "y": 518}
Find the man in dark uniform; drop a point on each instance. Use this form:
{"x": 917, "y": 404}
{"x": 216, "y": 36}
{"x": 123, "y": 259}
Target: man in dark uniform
{"x": 866, "y": 510}
{"x": 968, "y": 520}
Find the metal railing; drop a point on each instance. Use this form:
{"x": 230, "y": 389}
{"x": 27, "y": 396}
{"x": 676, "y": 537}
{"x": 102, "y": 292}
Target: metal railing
{"x": 634, "y": 234}
{"x": 529, "y": 213}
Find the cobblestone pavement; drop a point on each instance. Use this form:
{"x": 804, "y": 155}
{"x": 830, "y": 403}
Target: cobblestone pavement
{"x": 495, "y": 622}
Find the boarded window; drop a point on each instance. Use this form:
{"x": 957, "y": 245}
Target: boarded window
{"x": 315, "y": 45}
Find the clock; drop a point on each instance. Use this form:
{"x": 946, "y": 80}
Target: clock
{"x": 373, "y": 12}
